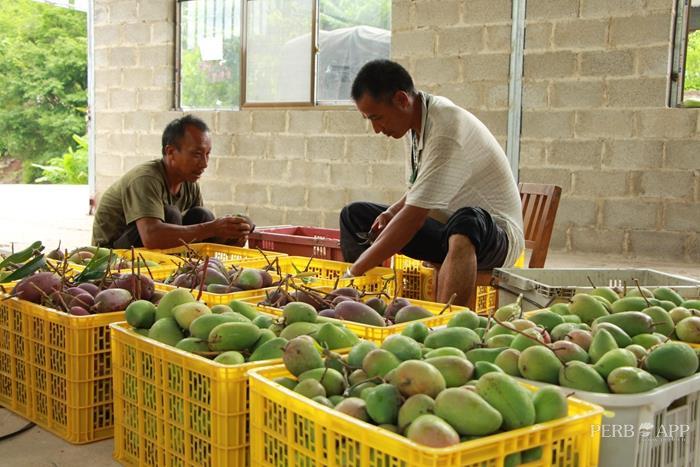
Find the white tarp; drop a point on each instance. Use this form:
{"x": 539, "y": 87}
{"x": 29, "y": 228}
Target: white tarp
{"x": 342, "y": 53}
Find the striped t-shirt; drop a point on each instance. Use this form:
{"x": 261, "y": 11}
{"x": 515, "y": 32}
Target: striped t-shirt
{"x": 460, "y": 164}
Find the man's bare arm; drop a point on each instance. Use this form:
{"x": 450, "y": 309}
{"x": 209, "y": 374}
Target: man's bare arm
{"x": 158, "y": 234}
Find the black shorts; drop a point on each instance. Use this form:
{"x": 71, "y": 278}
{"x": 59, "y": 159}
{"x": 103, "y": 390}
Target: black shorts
{"x": 431, "y": 242}
{"x": 489, "y": 240}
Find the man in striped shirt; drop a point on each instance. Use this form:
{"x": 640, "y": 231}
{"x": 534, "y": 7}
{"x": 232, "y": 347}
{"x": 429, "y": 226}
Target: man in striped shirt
{"x": 461, "y": 210}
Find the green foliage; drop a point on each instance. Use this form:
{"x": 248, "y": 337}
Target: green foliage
{"x": 211, "y": 84}
{"x": 71, "y": 168}
{"x": 43, "y": 80}
{"x": 336, "y": 14}
{"x": 692, "y": 62}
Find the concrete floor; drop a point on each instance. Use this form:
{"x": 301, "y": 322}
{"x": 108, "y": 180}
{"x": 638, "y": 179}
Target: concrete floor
{"x": 40, "y": 448}
{"x": 53, "y": 213}
{"x": 50, "y": 213}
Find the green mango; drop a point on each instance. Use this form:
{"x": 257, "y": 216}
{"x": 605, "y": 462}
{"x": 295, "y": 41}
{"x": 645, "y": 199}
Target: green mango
{"x": 484, "y": 354}
{"x": 481, "y": 368}
{"x": 230, "y": 358}
{"x": 461, "y": 338}
{"x": 560, "y": 308}
{"x": 451, "y": 405}
{"x": 691, "y": 304}
{"x": 417, "y": 331}
{"x": 550, "y": 404}
{"x": 331, "y": 380}
{"x": 464, "y": 319}
{"x": 272, "y": 349}
{"x": 243, "y": 308}
{"x": 233, "y": 336}
{"x": 513, "y": 401}
{"x": 661, "y": 320}
{"x": 332, "y": 337}
{"x": 583, "y": 377}
{"x": 508, "y": 362}
{"x": 403, "y": 347}
{"x": 631, "y": 380}
{"x": 629, "y": 304}
{"x": 383, "y": 404}
{"x": 358, "y": 352}
{"x": 546, "y": 319}
{"x": 672, "y": 360}
{"x": 539, "y": 363}
{"x": 620, "y": 336}
{"x": 632, "y": 322}
{"x": 615, "y": 358}
{"x": 602, "y": 343}
{"x": 668, "y": 294}
{"x": 587, "y": 308}
{"x": 606, "y": 292}
{"x": 455, "y": 370}
{"x": 301, "y": 354}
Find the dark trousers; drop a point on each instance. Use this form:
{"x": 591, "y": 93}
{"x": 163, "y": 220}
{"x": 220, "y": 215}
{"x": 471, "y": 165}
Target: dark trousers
{"x": 172, "y": 215}
{"x": 431, "y": 242}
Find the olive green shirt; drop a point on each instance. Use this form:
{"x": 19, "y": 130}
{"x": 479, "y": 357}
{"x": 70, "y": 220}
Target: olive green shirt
{"x": 141, "y": 192}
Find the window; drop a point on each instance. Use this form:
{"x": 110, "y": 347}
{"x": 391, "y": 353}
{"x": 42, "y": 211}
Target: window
{"x": 685, "y": 73}
{"x": 245, "y": 53}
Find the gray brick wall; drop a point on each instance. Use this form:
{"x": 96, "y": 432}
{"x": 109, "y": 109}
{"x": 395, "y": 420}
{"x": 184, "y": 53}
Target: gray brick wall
{"x": 289, "y": 166}
{"x": 629, "y": 165}
{"x": 594, "y": 119}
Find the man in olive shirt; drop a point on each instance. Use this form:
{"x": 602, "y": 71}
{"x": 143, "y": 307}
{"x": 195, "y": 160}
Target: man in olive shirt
{"x": 158, "y": 204}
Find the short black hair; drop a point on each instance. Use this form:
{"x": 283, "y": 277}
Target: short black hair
{"x": 175, "y": 130}
{"x": 381, "y": 79}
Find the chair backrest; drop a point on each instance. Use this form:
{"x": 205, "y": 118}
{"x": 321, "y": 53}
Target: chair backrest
{"x": 540, "y": 204}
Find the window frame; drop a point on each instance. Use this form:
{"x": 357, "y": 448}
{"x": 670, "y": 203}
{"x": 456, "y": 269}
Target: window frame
{"x": 313, "y": 103}
{"x": 686, "y": 18}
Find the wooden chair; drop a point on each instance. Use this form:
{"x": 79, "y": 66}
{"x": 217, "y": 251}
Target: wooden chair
{"x": 539, "y": 203}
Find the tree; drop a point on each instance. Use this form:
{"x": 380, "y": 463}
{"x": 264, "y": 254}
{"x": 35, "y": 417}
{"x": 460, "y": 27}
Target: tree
{"x": 692, "y": 62}
{"x": 211, "y": 84}
{"x": 43, "y": 80}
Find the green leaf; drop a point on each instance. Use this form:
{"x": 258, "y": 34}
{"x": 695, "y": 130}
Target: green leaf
{"x": 26, "y": 269}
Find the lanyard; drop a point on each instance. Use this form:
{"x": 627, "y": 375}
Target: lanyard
{"x": 415, "y": 158}
{"x": 415, "y": 153}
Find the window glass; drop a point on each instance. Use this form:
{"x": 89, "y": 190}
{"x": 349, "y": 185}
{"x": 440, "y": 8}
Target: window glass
{"x": 351, "y": 33}
{"x": 210, "y": 50}
{"x": 278, "y": 61}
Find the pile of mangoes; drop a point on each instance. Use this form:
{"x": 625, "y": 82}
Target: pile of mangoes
{"x": 231, "y": 333}
{"x": 593, "y": 344}
{"x": 433, "y": 396}
{"x": 71, "y": 295}
{"x": 351, "y": 304}
{"x": 218, "y": 278}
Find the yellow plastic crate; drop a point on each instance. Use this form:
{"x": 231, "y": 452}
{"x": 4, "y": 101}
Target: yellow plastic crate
{"x": 55, "y": 369}
{"x": 376, "y": 334}
{"x": 166, "y": 263}
{"x": 416, "y": 281}
{"x": 225, "y": 253}
{"x": 328, "y": 273}
{"x": 291, "y": 430}
{"x": 176, "y": 408}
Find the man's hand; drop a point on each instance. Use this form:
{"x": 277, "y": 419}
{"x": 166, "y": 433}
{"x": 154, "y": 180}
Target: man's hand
{"x": 347, "y": 274}
{"x": 233, "y": 227}
{"x": 381, "y": 221}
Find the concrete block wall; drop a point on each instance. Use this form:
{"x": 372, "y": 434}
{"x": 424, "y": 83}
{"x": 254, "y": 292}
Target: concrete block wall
{"x": 287, "y": 165}
{"x": 596, "y": 122}
{"x": 277, "y": 165}
{"x": 460, "y": 50}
